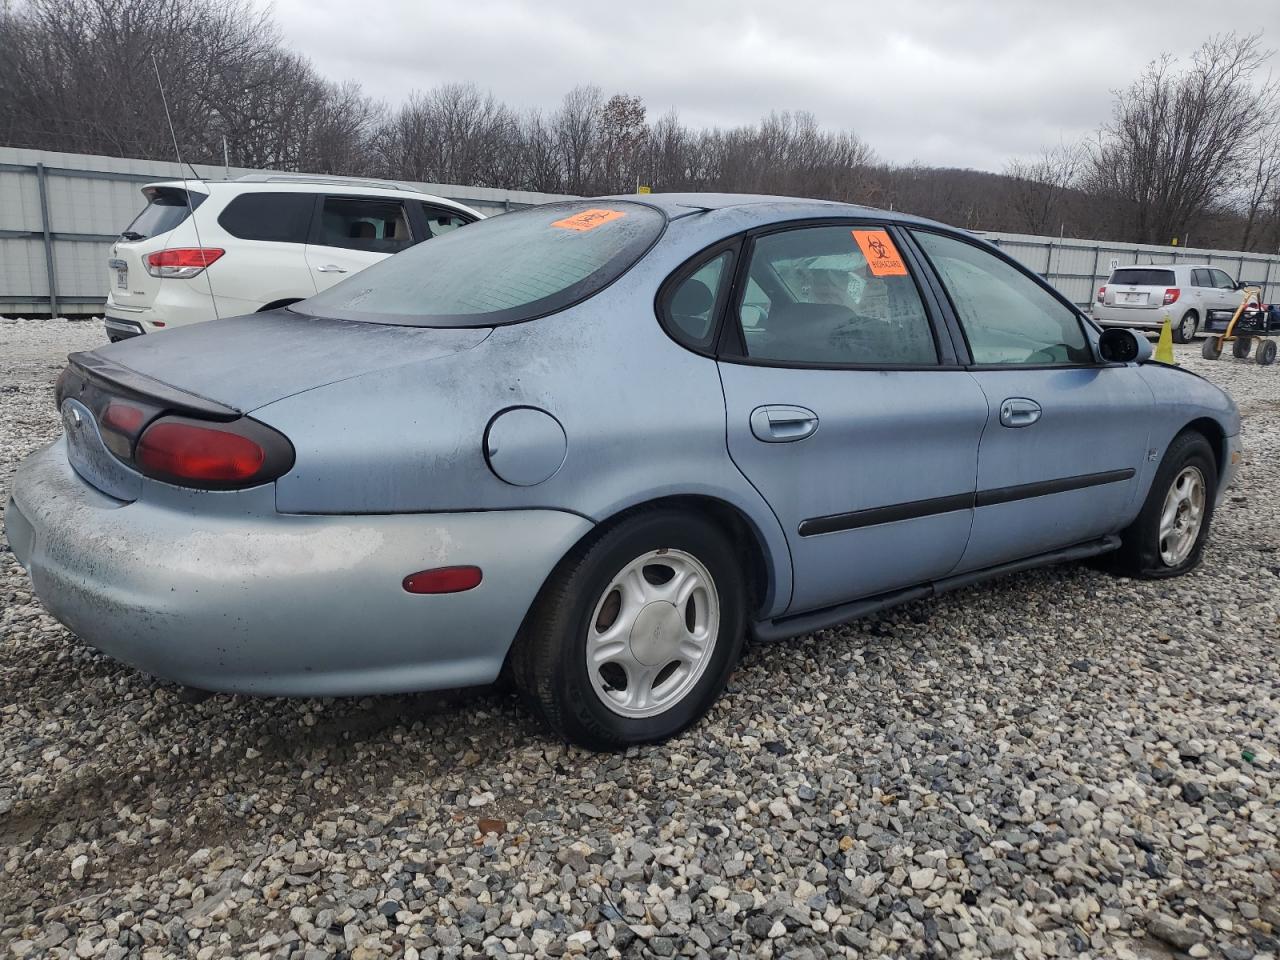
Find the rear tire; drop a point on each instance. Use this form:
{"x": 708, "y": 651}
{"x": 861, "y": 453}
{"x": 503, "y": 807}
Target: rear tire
{"x": 1185, "y": 331}
{"x": 1266, "y": 353}
{"x": 608, "y": 600}
{"x": 1212, "y": 348}
{"x": 1168, "y": 537}
{"x": 1240, "y": 347}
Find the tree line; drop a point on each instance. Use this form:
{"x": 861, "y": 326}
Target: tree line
{"x": 1191, "y": 150}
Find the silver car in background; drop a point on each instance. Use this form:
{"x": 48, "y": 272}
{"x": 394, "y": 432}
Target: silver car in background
{"x": 1190, "y": 295}
{"x": 596, "y": 445}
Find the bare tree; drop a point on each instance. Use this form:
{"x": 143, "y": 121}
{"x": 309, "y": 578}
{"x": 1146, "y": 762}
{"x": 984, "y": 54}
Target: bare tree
{"x": 1177, "y": 138}
{"x": 1040, "y": 187}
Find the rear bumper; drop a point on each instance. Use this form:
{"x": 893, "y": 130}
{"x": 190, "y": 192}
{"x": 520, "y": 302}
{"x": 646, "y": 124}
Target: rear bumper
{"x": 260, "y": 602}
{"x": 118, "y": 329}
{"x": 1135, "y": 318}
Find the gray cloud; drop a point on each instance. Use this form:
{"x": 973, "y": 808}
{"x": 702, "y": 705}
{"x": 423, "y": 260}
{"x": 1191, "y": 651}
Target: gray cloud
{"x": 947, "y": 82}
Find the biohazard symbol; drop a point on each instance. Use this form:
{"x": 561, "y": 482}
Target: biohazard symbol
{"x": 883, "y": 259}
{"x": 588, "y": 219}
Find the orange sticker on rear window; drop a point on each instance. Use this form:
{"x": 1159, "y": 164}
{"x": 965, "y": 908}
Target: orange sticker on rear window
{"x": 882, "y": 256}
{"x": 588, "y": 219}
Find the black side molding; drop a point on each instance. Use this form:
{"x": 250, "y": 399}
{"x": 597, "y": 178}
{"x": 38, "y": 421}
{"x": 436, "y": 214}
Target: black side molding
{"x": 782, "y": 629}
{"x": 914, "y": 509}
{"x": 1044, "y": 488}
{"x": 898, "y": 511}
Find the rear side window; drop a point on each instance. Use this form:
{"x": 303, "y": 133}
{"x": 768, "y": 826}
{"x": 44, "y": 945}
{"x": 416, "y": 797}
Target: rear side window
{"x": 514, "y": 267}
{"x": 1007, "y": 317}
{"x": 1200, "y": 278}
{"x": 364, "y": 223}
{"x": 166, "y": 208}
{"x": 814, "y": 297}
{"x": 689, "y": 309}
{"x": 279, "y": 217}
{"x": 1142, "y": 277}
{"x": 442, "y": 221}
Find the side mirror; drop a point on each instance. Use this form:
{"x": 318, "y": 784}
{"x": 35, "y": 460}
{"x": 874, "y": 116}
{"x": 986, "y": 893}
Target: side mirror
{"x": 1118, "y": 345}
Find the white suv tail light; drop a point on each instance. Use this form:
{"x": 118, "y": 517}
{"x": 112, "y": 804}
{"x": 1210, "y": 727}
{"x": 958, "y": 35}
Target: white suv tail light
{"x": 181, "y": 263}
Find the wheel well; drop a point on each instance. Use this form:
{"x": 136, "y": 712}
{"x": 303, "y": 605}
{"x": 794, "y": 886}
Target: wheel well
{"x": 1211, "y": 431}
{"x": 735, "y": 525}
{"x": 277, "y": 304}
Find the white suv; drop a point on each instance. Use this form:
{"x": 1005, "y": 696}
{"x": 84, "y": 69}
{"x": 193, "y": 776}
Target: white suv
{"x": 257, "y": 243}
{"x": 1141, "y": 296}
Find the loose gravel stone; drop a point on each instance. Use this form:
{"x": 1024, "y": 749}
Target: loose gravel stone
{"x": 1058, "y": 764}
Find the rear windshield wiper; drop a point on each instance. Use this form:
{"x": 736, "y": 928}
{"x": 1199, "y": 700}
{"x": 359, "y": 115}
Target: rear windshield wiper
{"x": 131, "y": 235}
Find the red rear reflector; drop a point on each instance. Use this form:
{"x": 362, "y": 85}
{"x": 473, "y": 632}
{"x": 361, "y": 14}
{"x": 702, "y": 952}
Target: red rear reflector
{"x": 443, "y": 580}
{"x": 123, "y": 417}
{"x": 198, "y": 453}
{"x": 184, "y": 257}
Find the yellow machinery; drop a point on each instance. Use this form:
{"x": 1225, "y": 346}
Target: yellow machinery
{"x": 1248, "y": 324}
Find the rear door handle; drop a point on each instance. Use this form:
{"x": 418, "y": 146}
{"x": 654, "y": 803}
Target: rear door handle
{"x": 781, "y": 423}
{"x": 331, "y": 268}
{"x": 1019, "y": 412}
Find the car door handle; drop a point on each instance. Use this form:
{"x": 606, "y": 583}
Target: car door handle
{"x": 779, "y": 423}
{"x": 331, "y": 268}
{"x": 1019, "y": 412}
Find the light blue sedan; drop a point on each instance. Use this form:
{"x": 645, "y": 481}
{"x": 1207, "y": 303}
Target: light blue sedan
{"x": 596, "y": 445}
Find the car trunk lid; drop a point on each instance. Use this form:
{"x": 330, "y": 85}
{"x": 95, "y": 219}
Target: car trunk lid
{"x": 243, "y": 363}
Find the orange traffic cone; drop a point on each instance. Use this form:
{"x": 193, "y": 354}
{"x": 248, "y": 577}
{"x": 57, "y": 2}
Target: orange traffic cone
{"x": 1164, "y": 347}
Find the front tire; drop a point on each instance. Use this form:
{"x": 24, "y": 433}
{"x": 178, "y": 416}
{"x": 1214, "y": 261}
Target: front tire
{"x": 1266, "y": 353}
{"x": 635, "y": 633}
{"x": 1168, "y": 537}
{"x": 1212, "y": 348}
{"x": 1185, "y": 331}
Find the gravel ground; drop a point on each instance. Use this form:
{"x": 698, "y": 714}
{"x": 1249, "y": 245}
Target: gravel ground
{"x": 1064, "y": 764}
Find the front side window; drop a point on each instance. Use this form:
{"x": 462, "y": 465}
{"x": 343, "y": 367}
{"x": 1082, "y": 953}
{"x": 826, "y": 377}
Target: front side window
{"x": 505, "y": 269}
{"x": 834, "y": 296}
{"x": 1007, "y": 317}
{"x": 276, "y": 217}
{"x": 379, "y": 226}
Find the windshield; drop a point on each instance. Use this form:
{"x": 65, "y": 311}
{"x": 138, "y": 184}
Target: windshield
{"x": 510, "y": 268}
{"x": 1142, "y": 277}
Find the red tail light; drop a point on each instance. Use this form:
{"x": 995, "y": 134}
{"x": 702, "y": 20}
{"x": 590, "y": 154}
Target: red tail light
{"x": 1102, "y": 292}
{"x": 214, "y": 456}
{"x": 443, "y": 580}
{"x": 181, "y": 263}
{"x": 1171, "y": 295}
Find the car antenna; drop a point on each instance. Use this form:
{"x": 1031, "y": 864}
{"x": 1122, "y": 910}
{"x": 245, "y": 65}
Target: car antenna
{"x": 191, "y": 209}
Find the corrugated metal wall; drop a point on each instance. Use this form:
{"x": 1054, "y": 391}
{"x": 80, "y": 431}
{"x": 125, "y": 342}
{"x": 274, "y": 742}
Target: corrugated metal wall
{"x": 89, "y": 200}
{"x": 1078, "y": 267}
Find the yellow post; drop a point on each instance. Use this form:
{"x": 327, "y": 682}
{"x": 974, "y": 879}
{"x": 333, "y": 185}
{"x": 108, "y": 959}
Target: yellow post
{"x": 1164, "y": 347}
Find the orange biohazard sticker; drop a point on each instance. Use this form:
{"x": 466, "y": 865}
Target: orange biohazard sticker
{"x": 588, "y": 219}
{"x": 882, "y": 256}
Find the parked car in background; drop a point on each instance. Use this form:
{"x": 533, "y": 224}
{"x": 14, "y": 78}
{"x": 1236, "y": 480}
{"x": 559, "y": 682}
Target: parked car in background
{"x": 1141, "y": 296}
{"x": 202, "y": 249}
{"x": 597, "y": 444}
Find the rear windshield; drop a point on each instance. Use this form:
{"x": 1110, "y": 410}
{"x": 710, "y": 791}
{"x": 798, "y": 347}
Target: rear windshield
{"x": 166, "y": 208}
{"x": 503, "y": 270}
{"x": 1143, "y": 277}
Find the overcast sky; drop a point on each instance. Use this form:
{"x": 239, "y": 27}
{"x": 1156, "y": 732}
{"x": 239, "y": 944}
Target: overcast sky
{"x": 947, "y": 82}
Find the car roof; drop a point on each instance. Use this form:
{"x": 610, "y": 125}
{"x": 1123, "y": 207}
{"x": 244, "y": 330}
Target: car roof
{"x": 300, "y": 184}
{"x": 770, "y": 207}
